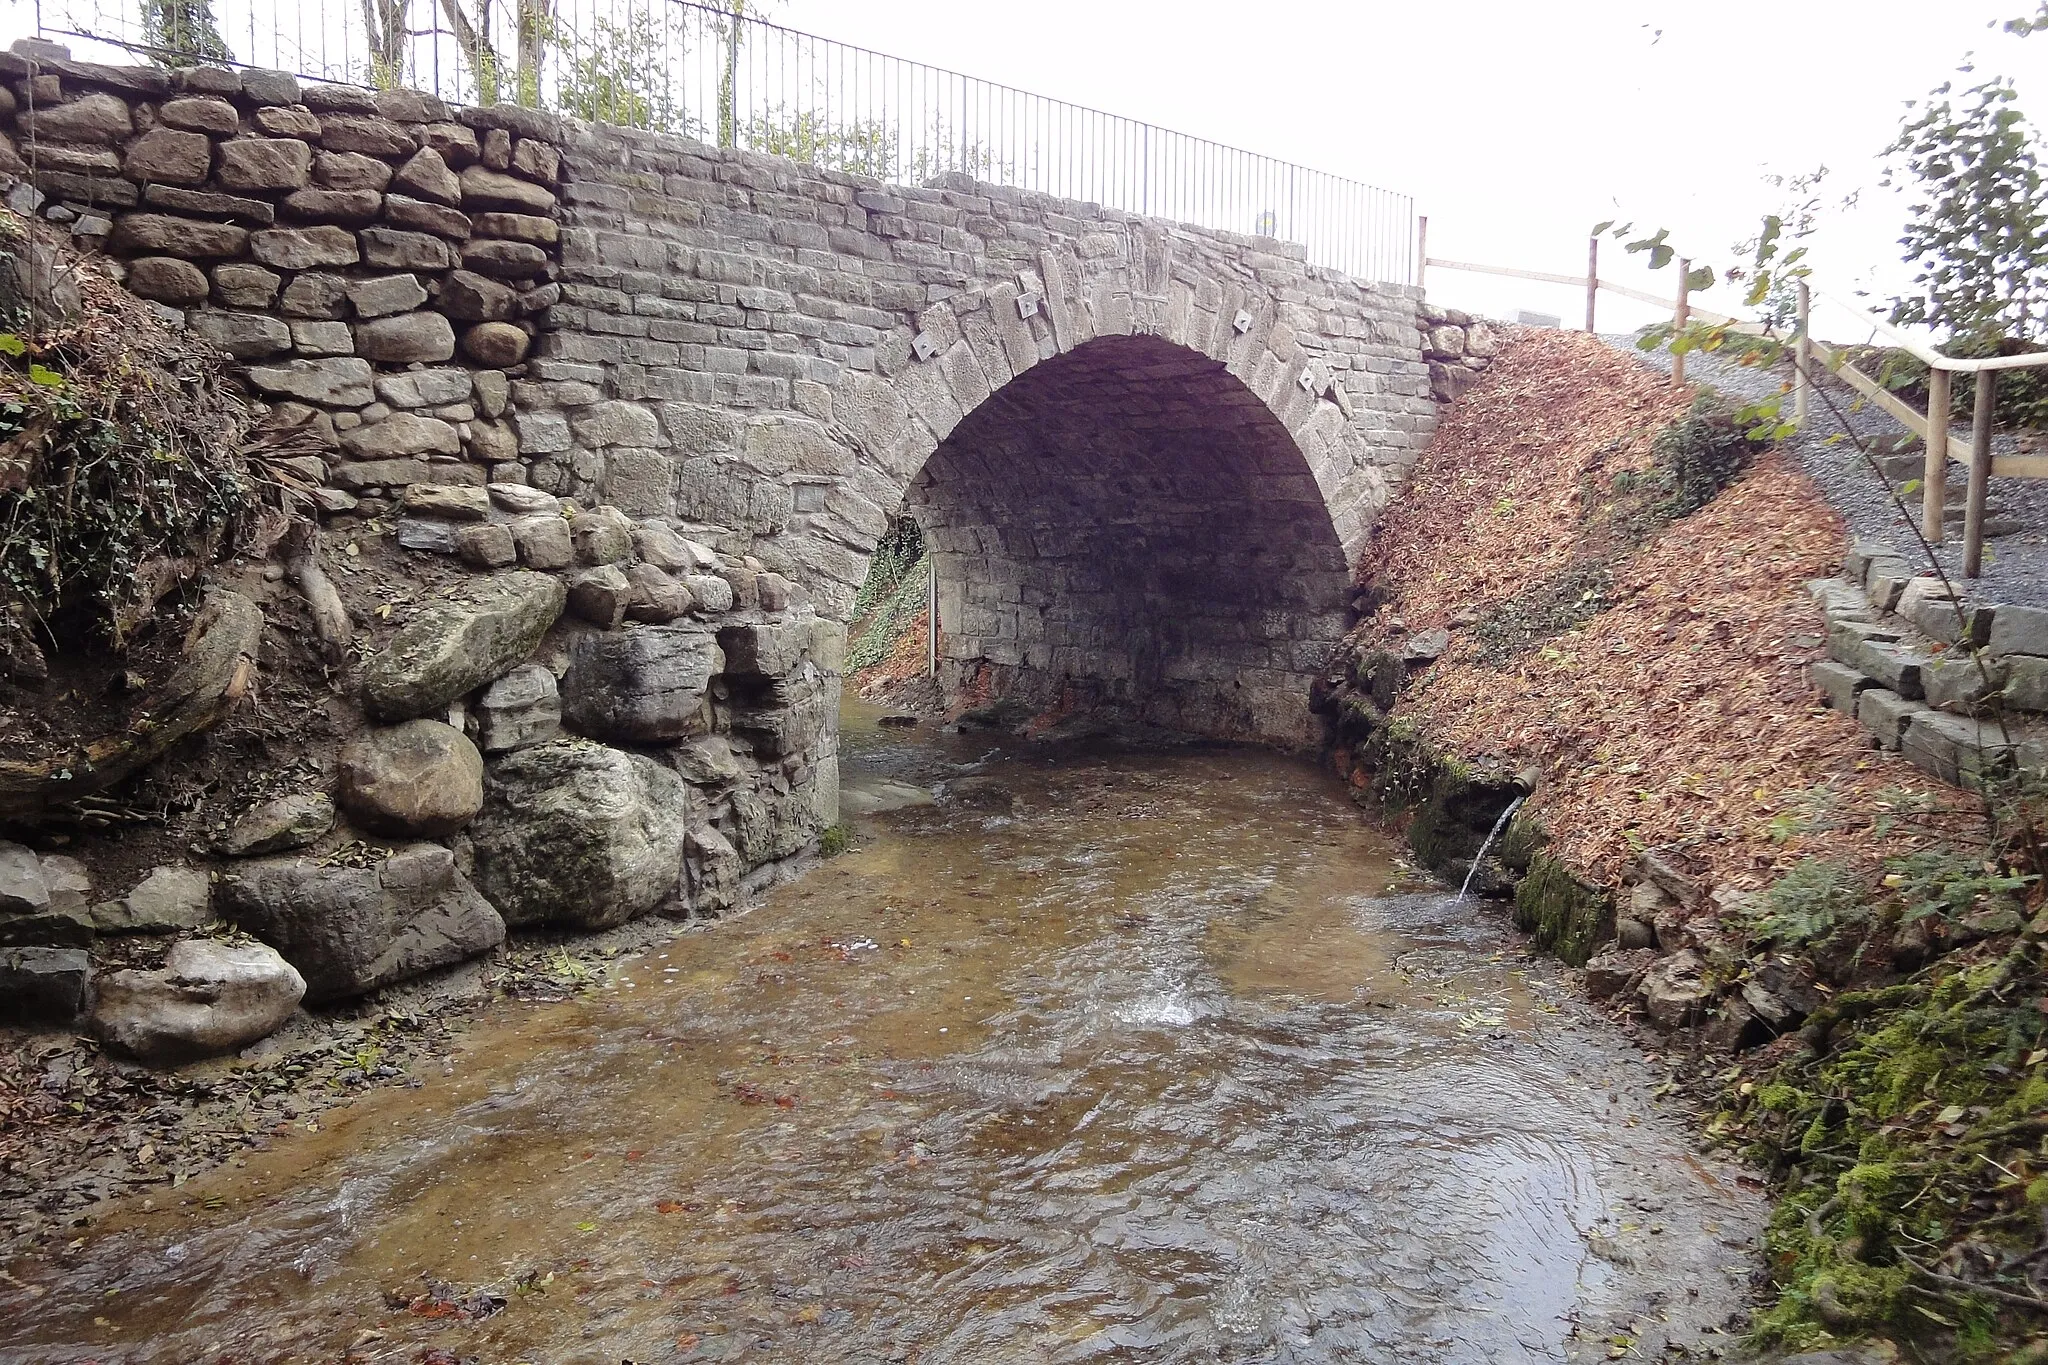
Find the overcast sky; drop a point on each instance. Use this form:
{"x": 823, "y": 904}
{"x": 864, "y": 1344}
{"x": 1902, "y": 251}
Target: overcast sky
{"x": 1516, "y": 124}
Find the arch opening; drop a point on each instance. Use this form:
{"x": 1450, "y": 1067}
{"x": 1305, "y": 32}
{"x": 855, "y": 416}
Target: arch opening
{"x": 1127, "y": 527}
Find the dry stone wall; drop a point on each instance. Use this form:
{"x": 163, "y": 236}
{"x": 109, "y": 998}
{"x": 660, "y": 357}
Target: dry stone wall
{"x": 1147, "y": 456}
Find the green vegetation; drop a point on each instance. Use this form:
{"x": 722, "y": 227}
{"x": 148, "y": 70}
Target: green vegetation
{"x": 833, "y": 841}
{"x": 891, "y": 597}
{"x": 1566, "y": 916}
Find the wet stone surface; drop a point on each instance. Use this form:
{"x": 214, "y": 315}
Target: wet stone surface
{"x": 1110, "y": 1056}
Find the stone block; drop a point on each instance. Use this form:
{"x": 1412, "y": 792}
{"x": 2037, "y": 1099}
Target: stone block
{"x": 487, "y": 546}
{"x": 1839, "y": 683}
{"x": 306, "y": 248}
{"x": 264, "y": 163}
{"x": 602, "y": 535}
{"x": 316, "y": 296}
{"x": 167, "y": 155}
{"x": 209, "y": 997}
{"x": 350, "y": 207}
{"x": 421, "y": 778}
{"x": 166, "y": 279}
{"x": 537, "y": 160}
{"x": 641, "y": 685}
{"x": 663, "y": 548}
{"x": 543, "y": 542}
{"x": 97, "y": 118}
{"x": 504, "y": 259}
{"x": 1956, "y": 749}
{"x": 171, "y": 898}
{"x": 338, "y": 383}
{"x": 1885, "y": 580}
{"x": 270, "y": 87}
{"x": 322, "y": 338}
{"x": 1959, "y": 684}
{"x": 1895, "y": 666}
{"x": 244, "y": 286}
{"x": 2025, "y": 679}
{"x": 378, "y": 137}
{"x": 2019, "y": 630}
{"x": 1885, "y": 714}
{"x": 429, "y": 537}
{"x": 522, "y": 500}
{"x": 469, "y": 297}
{"x": 764, "y": 650}
{"x": 424, "y": 388}
{"x": 357, "y": 475}
{"x": 160, "y": 234}
{"x": 1847, "y": 638}
{"x": 519, "y": 710}
{"x": 616, "y": 424}
{"x": 201, "y": 114}
{"x": 288, "y": 121}
{"x": 456, "y": 144}
{"x": 401, "y": 434}
{"x": 483, "y": 188}
{"x": 452, "y": 646}
{"x": 518, "y": 227}
{"x": 419, "y": 215}
{"x": 395, "y": 249}
{"x": 350, "y": 171}
{"x": 655, "y": 597}
{"x": 601, "y": 596}
{"x": 1941, "y": 619}
{"x": 410, "y": 337}
{"x": 427, "y": 176}
{"x": 44, "y": 985}
{"x": 245, "y": 336}
{"x": 496, "y": 344}
{"x": 446, "y": 501}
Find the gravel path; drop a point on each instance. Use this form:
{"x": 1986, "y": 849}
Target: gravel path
{"x": 2015, "y": 566}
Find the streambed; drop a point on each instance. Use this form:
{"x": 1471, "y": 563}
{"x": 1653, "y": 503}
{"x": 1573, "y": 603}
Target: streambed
{"x": 1107, "y": 1055}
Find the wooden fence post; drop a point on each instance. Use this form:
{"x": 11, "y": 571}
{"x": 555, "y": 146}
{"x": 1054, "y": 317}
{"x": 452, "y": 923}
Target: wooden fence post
{"x": 1592, "y": 278}
{"x": 1980, "y": 474}
{"x": 1934, "y": 473}
{"x": 1802, "y": 358}
{"x": 1678, "y": 317}
{"x": 1421, "y": 248}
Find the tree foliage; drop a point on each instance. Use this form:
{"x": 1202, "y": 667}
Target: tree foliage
{"x": 1977, "y": 230}
{"x": 183, "y": 31}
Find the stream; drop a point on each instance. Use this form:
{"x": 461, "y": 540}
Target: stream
{"x": 1107, "y": 1055}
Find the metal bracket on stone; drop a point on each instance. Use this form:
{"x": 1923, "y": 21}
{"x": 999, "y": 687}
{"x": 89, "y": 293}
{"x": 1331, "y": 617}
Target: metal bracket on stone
{"x": 923, "y": 346}
{"x": 1242, "y": 322}
{"x": 1307, "y": 382}
{"x": 1027, "y": 305}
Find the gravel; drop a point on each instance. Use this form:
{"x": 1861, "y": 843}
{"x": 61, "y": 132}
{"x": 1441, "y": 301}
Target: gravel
{"x": 2015, "y": 566}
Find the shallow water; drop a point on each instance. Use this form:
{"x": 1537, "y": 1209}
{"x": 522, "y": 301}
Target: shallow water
{"x": 1144, "y": 1056}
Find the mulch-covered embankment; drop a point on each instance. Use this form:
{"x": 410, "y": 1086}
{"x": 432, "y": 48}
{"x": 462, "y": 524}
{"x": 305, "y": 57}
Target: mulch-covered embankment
{"x": 1652, "y": 674}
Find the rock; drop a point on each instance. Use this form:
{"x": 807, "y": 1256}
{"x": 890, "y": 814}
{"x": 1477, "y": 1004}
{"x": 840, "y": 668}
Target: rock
{"x": 1426, "y": 646}
{"x": 524, "y": 500}
{"x": 434, "y": 537}
{"x": 715, "y": 869}
{"x": 165, "y": 154}
{"x": 769, "y": 827}
{"x": 201, "y": 114}
{"x": 244, "y": 286}
{"x": 350, "y": 207}
{"x": 616, "y": 424}
{"x": 159, "y": 234}
{"x": 340, "y": 99}
{"x": 350, "y": 171}
{"x": 361, "y": 474}
{"x": 278, "y": 825}
{"x": 406, "y": 338}
{"x": 519, "y": 710}
{"x": 417, "y": 215}
{"x": 663, "y": 548}
{"x": 455, "y": 645}
{"x": 486, "y": 547}
{"x": 518, "y": 227}
{"x": 245, "y": 336}
{"x": 424, "y": 388}
{"x": 393, "y": 249}
{"x": 504, "y": 259}
{"x": 600, "y": 596}
{"x": 401, "y": 434}
{"x": 1781, "y": 992}
{"x": 48, "y": 985}
{"x": 575, "y": 834}
{"x": 497, "y": 344}
{"x": 469, "y": 297}
{"x": 2019, "y": 630}
{"x": 23, "y": 890}
{"x": 322, "y": 338}
{"x": 421, "y": 778}
{"x": 69, "y": 883}
{"x": 166, "y": 279}
{"x": 602, "y": 535}
{"x": 289, "y": 121}
{"x": 543, "y": 542}
{"x": 708, "y": 593}
{"x": 370, "y": 136}
{"x": 385, "y": 294}
{"x": 1609, "y": 973}
{"x": 99, "y": 118}
{"x": 537, "y": 160}
{"x": 764, "y": 649}
{"x": 265, "y": 163}
{"x": 167, "y": 900}
{"x": 456, "y": 144}
{"x": 303, "y": 248}
{"x": 1675, "y": 992}
{"x": 215, "y": 670}
{"x": 642, "y": 685}
{"x": 427, "y": 176}
{"x": 353, "y": 929}
{"x": 210, "y": 997}
{"x": 655, "y": 596}
{"x": 487, "y": 189}
{"x": 447, "y": 501}
{"x": 317, "y": 296}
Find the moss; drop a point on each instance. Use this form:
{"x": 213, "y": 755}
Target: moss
{"x": 1565, "y": 915}
{"x": 833, "y": 841}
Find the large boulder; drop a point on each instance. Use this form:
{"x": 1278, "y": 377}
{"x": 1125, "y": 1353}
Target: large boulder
{"x": 456, "y": 645}
{"x": 209, "y": 997}
{"x": 641, "y": 685}
{"x": 353, "y": 929}
{"x": 576, "y": 834}
{"x": 420, "y": 778}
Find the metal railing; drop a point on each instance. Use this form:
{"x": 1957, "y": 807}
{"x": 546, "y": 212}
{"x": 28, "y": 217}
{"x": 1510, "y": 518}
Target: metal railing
{"x": 738, "y": 81}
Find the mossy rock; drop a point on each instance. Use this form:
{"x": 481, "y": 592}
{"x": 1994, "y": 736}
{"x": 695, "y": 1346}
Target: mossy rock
{"x": 1565, "y": 916}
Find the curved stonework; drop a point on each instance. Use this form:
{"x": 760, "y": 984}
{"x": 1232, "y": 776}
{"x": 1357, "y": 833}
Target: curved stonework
{"x": 1147, "y": 455}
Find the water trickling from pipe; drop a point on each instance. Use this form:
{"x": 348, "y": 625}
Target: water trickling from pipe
{"x": 1491, "y": 835}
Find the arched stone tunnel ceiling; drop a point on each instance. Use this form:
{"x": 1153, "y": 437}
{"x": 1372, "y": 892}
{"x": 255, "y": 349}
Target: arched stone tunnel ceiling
{"x": 1128, "y": 523}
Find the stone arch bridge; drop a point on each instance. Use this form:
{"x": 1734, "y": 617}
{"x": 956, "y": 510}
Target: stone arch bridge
{"x": 1146, "y": 457}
